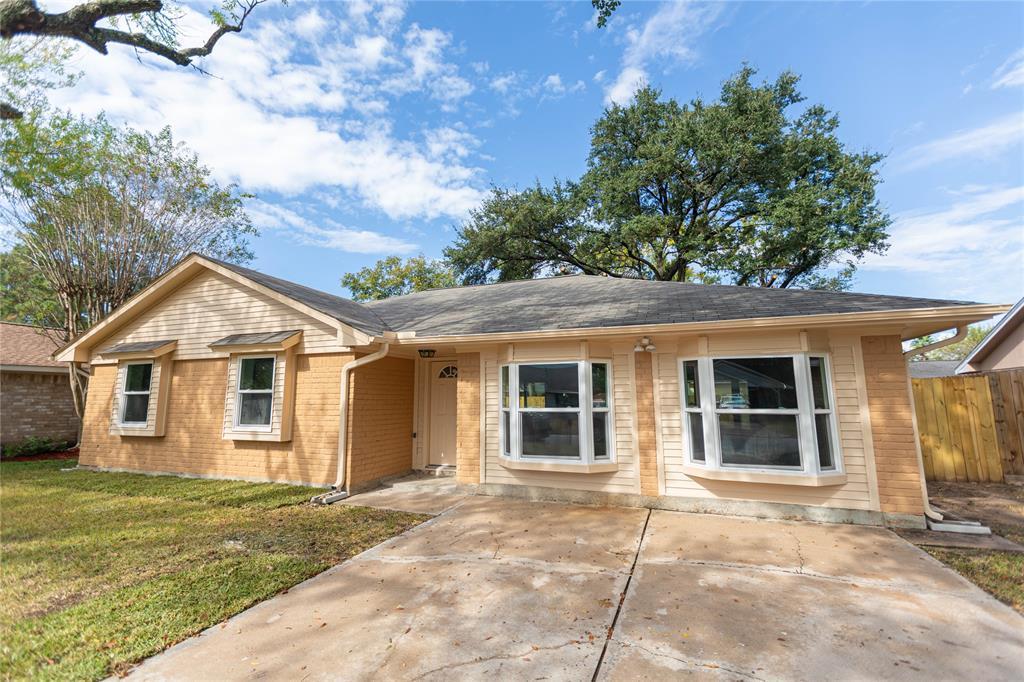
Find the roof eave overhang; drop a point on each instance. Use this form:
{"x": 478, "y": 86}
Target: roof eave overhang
{"x": 938, "y": 318}
{"x": 995, "y": 336}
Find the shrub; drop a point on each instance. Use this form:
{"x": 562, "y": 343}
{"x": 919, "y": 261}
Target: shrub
{"x": 34, "y": 446}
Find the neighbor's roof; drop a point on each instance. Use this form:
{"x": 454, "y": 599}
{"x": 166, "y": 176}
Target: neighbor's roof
{"x": 27, "y": 346}
{"x": 931, "y": 369}
{"x": 588, "y": 301}
{"x": 995, "y": 336}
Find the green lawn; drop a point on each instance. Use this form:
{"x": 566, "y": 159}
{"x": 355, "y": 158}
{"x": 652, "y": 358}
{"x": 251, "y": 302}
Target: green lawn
{"x": 100, "y": 570}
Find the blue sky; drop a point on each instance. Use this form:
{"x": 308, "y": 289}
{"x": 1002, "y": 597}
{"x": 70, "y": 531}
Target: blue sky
{"x": 369, "y": 129}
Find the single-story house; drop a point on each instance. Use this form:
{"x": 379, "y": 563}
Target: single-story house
{"x": 35, "y": 392}
{"x": 595, "y": 389}
{"x": 1002, "y": 348}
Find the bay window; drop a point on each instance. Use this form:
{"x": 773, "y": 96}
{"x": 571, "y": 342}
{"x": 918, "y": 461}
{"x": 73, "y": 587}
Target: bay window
{"x": 558, "y": 412}
{"x": 770, "y": 414}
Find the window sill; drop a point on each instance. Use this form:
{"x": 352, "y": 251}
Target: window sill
{"x": 268, "y": 436}
{"x": 520, "y": 465}
{"x": 813, "y": 480}
{"x": 146, "y": 431}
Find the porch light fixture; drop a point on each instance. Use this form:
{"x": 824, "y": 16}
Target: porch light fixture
{"x": 643, "y": 345}
{"x": 427, "y": 352}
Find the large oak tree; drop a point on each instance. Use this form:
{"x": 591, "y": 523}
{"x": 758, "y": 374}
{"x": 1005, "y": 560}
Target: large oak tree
{"x": 753, "y": 188}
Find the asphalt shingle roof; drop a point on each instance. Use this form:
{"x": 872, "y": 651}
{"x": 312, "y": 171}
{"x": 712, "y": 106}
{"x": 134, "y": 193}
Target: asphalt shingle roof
{"x": 136, "y": 346}
{"x": 577, "y": 302}
{"x": 255, "y": 339}
{"x": 25, "y": 345}
{"x": 585, "y": 301}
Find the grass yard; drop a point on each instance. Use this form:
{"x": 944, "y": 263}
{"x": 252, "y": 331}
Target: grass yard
{"x": 1001, "y": 507}
{"x": 101, "y": 570}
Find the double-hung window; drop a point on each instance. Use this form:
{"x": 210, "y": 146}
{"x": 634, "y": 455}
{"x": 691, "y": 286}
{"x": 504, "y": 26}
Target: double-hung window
{"x": 557, "y": 412}
{"x": 255, "y": 398}
{"x": 760, "y": 413}
{"x": 138, "y": 377}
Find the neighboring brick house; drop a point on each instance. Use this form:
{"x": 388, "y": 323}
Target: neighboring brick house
{"x": 35, "y": 394}
{"x": 692, "y": 397}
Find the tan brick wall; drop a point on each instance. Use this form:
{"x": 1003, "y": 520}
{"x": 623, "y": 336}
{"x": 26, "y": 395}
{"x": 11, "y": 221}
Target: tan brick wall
{"x": 646, "y": 440}
{"x": 467, "y": 444}
{"x": 193, "y": 443}
{"x": 380, "y": 421}
{"x": 38, "y": 405}
{"x": 892, "y": 425}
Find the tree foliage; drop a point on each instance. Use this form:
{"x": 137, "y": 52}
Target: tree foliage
{"x": 148, "y": 25}
{"x": 955, "y": 351}
{"x": 392, "y": 276}
{"x": 98, "y": 212}
{"x": 25, "y": 296}
{"x": 744, "y": 188}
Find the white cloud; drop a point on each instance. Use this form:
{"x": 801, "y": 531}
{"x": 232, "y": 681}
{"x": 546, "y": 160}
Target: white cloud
{"x": 275, "y": 120}
{"x": 984, "y": 142}
{"x": 504, "y": 82}
{"x": 976, "y": 240}
{"x": 1011, "y": 73}
{"x": 666, "y": 37}
{"x": 324, "y": 233}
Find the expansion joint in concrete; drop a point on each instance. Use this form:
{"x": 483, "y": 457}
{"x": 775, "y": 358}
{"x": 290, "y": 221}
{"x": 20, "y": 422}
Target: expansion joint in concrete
{"x": 622, "y": 597}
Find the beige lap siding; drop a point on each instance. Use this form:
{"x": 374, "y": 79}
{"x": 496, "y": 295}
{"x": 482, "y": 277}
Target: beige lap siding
{"x": 380, "y": 421}
{"x": 193, "y": 443}
{"x": 892, "y": 425}
{"x": 467, "y": 443}
{"x": 646, "y": 439}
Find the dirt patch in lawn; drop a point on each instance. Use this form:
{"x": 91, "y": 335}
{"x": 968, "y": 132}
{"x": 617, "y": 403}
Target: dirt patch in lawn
{"x": 1001, "y": 508}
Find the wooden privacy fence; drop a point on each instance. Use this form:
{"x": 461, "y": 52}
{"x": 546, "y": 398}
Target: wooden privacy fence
{"x": 971, "y": 427}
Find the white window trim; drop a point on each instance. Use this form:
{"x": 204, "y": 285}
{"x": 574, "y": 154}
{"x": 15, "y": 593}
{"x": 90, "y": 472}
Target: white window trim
{"x": 805, "y": 411}
{"x": 125, "y": 392}
{"x": 236, "y": 419}
{"x": 585, "y": 411}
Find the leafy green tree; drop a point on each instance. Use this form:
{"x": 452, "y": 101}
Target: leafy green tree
{"x": 28, "y": 68}
{"x": 25, "y": 297}
{"x": 98, "y": 212}
{"x": 392, "y": 276}
{"x": 955, "y": 351}
{"x": 740, "y": 189}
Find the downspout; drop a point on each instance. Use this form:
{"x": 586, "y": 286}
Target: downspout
{"x": 337, "y": 490}
{"x": 961, "y": 334}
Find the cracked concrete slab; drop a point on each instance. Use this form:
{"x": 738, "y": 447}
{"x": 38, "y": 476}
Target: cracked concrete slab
{"x": 722, "y": 597}
{"x": 521, "y": 590}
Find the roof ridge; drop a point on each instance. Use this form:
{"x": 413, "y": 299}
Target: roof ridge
{"x": 33, "y": 326}
{"x": 489, "y": 284}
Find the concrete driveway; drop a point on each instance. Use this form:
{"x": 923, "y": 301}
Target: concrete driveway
{"x": 529, "y": 591}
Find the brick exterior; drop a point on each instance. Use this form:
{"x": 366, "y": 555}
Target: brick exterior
{"x": 195, "y": 417}
{"x": 467, "y": 445}
{"x": 646, "y": 439}
{"x": 892, "y": 425}
{"x": 380, "y": 422}
{"x": 36, "y": 404}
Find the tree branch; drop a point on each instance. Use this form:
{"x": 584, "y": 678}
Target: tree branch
{"x": 23, "y": 17}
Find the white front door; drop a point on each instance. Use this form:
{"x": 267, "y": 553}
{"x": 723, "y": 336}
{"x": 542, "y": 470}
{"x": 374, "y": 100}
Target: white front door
{"x": 444, "y": 379}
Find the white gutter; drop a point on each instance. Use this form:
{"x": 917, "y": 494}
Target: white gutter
{"x": 339, "y": 483}
{"x": 961, "y": 334}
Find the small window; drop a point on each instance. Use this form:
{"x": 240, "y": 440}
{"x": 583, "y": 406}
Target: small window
{"x": 137, "y": 379}
{"x": 449, "y": 372}
{"x": 255, "y": 402}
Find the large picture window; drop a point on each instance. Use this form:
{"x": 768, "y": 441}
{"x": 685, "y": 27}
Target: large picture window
{"x": 255, "y": 399}
{"x": 556, "y": 412}
{"x": 759, "y": 413}
{"x": 138, "y": 377}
